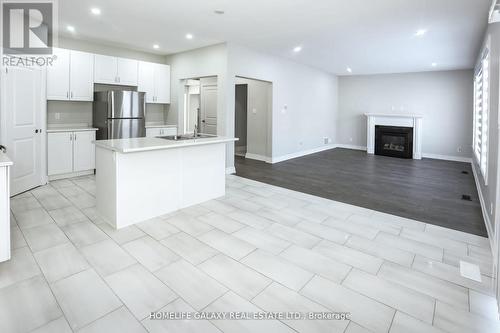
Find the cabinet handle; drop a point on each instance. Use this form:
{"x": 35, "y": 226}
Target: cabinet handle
{"x": 70, "y": 137}
{"x": 67, "y": 94}
{"x": 71, "y": 94}
{"x": 74, "y": 136}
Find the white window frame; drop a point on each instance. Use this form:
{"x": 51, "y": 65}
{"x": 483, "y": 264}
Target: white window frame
{"x": 482, "y": 113}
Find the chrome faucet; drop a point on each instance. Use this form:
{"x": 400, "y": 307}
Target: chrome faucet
{"x": 195, "y": 132}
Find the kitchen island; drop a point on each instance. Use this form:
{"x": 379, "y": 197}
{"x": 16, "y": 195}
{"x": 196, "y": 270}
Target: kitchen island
{"x": 142, "y": 178}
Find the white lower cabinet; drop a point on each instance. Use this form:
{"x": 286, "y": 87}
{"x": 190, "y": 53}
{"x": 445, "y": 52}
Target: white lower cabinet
{"x": 160, "y": 131}
{"x": 70, "y": 152}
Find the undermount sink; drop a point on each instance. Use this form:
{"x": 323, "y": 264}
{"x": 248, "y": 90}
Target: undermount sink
{"x": 185, "y": 137}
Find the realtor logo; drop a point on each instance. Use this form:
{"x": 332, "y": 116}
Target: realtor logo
{"x": 28, "y": 27}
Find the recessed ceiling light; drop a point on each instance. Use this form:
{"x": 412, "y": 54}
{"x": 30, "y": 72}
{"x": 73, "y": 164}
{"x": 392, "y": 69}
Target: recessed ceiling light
{"x": 297, "y": 49}
{"x": 95, "y": 11}
{"x": 156, "y": 46}
{"x": 434, "y": 64}
{"x": 349, "y": 69}
{"x": 420, "y": 32}
{"x": 219, "y": 11}
{"x": 189, "y": 36}
{"x": 70, "y": 28}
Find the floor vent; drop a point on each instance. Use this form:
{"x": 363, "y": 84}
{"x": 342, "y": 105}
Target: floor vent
{"x": 466, "y": 197}
{"x": 465, "y": 172}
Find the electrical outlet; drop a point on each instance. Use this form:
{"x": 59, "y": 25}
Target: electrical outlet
{"x": 459, "y": 149}
{"x": 350, "y": 139}
{"x": 326, "y": 140}
{"x": 254, "y": 111}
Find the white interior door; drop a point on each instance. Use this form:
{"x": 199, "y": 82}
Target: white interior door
{"x": 23, "y": 106}
{"x": 209, "y": 109}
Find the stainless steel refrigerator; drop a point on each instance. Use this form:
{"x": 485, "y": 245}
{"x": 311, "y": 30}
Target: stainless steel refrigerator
{"x": 119, "y": 114}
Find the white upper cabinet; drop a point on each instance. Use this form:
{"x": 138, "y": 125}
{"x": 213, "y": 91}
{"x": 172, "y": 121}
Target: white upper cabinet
{"x": 105, "y": 69}
{"x": 154, "y": 80}
{"x": 127, "y": 72}
{"x": 112, "y": 70}
{"x": 146, "y": 80}
{"x": 58, "y": 76}
{"x": 81, "y": 78}
{"x": 162, "y": 84}
{"x": 70, "y": 78}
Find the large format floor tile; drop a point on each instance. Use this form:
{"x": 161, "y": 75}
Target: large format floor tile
{"x": 179, "y": 326}
{"x": 27, "y": 305}
{"x": 365, "y": 311}
{"x": 20, "y": 267}
{"x": 84, "y": 297}
{"x": 244, "y": 281}
{"x": 278, "y": 269}
{"x": 60, "y": 261}
{"x": 277, "y": 298}
{"x": 192, "y": 284}
{"x": 150, "y": 253}
{"x": 227, "y": 244}
{"x": 231, "y": 302}
{"x": 396, "y": 296}
{"x": 140, "y": 290}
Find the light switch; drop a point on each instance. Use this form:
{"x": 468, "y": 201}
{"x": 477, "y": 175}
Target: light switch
{"x": 254, "y": 111}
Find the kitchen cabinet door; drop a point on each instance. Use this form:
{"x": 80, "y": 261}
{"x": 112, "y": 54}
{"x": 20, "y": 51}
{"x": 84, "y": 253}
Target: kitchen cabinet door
{"x": 127, "y": 71}
{"x": 105, "y": 69}
{"x": 83, "y": 151}
{"x": 58, "y": 76}
{"x": 146, "y": 80}
{"x": 162, "y": 84}
{"x": 82, "y": 76}
{"x": 60, "y": 153}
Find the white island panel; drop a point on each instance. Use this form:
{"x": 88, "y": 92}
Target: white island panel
{"x": 140, "y": 185}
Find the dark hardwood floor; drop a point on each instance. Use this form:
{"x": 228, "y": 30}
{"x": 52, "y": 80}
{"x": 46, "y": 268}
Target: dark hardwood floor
{"x": 426, "y": 190}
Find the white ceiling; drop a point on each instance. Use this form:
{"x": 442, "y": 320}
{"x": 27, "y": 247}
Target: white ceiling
{"x": 370, "y": 36}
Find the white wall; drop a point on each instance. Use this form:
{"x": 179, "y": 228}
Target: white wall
{"x": 259, "y": 111}
{"x": 443, "y": 98}
{"x": 309, "y": 96}
{"x": 203, "y": 62}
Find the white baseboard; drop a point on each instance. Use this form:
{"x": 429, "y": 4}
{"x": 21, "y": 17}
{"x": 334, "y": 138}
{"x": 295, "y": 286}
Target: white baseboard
{"x": 448, "y": 158}
{"x": 484, "y": 209}
{"x": 70, "y": 175}
{"x": 230, "y": 171}
{"x": 258, "y": 157}
{"x": 302, "y": 153}
{"x": 354, "y": 147}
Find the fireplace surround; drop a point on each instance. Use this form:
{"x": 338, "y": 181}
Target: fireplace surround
{"x": 413, "y": 121}
{"x": 394, "y": 141}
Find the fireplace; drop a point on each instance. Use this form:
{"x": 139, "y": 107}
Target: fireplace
{"x": 394, "y": 141}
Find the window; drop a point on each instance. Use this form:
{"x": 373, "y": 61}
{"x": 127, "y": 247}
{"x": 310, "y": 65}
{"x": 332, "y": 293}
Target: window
{"x": 481, "y": 114}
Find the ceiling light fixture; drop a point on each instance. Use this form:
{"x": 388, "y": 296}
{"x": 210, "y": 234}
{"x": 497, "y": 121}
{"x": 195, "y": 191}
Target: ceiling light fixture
{"x": 420, "y": 32}
{"x": 70, "y": 28}
{"x": 219, "y": 11}
{"x": 349, "y": 69}
{"x": 189, "y": 36}
{"x": 297, "y": 49}
{"x": 156, "y": 46}
{"x": 434, "y": 64}
{"x": 95, "y": 11}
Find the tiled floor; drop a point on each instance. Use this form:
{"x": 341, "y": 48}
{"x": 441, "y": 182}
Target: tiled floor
{"x": 260, "y": 248}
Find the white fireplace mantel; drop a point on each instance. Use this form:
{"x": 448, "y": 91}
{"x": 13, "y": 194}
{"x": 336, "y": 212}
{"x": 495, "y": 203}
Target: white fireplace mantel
{"x": 401, "y": 120}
